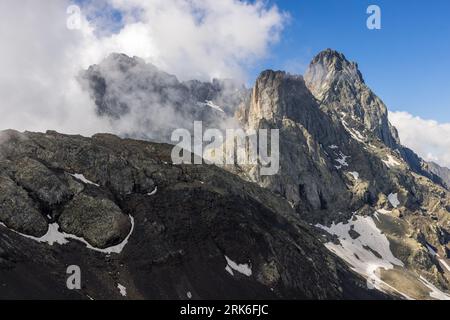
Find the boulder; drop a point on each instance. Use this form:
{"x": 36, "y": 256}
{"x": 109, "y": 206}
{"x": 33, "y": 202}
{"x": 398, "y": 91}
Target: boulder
{"x": 99, "y": 221}
{"x": 18, "y": 211}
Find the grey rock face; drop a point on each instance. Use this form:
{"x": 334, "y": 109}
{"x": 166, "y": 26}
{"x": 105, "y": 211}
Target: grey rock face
{"x": 430, "y": 170}
{"x": 340, "y": 88}
{"x": 18, "y": 211}
{"x": 442, "y": 172}
{"x": 99, "y": 221}
{"x": 277, "y": 96}
{"x": 308, "y": 175}
{"x": 42, "y": 182}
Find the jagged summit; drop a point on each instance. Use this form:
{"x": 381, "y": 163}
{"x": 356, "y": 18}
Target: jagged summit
{"x": 124, "y": 60}
{"x": 330, "y": 65}
{"x": 330, "y": 55}
{"x": 340, "y": 88}
{"x": 338, "y": 85}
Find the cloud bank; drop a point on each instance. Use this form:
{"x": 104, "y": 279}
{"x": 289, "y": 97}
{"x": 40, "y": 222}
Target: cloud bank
{"x": 197, "y": 39}
{"x": 41, "y": 57}
{"x": 38, "y": 61}
{"x": 429, "y": 138}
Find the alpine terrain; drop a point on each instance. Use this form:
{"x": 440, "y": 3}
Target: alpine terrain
{"x": 351, "y": 214}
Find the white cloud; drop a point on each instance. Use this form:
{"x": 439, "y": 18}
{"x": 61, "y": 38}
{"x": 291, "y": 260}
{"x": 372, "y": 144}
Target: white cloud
{"x": 429, "y": 138}
{"x": 197, "y": 38}
{"x": 40, "y": 56}
{"x": 39, "y": 59}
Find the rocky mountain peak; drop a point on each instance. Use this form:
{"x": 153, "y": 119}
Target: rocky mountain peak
{"x": 339, "y": 86}
{"x": 123, "y": 61}
{"x": 328, "y": 67}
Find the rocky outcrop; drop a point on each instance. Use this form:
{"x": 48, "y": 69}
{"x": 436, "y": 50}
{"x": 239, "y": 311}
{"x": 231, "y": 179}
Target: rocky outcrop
{"x": 41, "y": 182}
{"x": 17, "y": 209}
{"x": 339, "y": 87}
{"x": 99, "y": 221}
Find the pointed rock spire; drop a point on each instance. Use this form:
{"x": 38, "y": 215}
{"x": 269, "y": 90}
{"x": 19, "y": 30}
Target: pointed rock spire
{"x": 339, "y": 86}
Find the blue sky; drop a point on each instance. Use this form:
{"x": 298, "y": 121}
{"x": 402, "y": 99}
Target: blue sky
{"x": 407, "y": 62}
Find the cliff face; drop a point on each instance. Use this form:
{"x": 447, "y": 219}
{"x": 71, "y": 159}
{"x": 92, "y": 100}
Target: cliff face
{"x": 307, "y": 176}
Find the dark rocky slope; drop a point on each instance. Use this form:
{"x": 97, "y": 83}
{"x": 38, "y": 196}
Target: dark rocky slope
{"x": 180, "y": 224}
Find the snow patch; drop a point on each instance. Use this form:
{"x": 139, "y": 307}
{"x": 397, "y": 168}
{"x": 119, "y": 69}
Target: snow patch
{"x": 355, "y": 134}
{"x": 358, "y": 136}
{"x": 444, "y": 264}
{"x": 383, "y": 211}
{"x": 376, "y": 215}
{"x": 122, "y": 290}
{"x": 431, "y": 250}
{"x": 212, "y": 105}
{"x": 355, "y": 175}
{"x": 228, "y": 269}
{"x": 342, "y": 161}
{"x": 435, "y": 292}
{"x": 153, "y": 192}
{"x": 54, "y": 235}
{"x": 241, "y": 268}
{"x": 393, "y": 199}
{"x": 360, "y": 253}
{"x": 391, "y": 162}
{"x": 114, "y": 249}
{"x": 333, "y": 147}
{"x": 83, "y": 179}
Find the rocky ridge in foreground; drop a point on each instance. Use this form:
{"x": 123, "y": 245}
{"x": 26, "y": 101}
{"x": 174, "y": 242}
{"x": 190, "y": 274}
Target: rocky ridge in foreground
{"x": 142, "y": 228}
